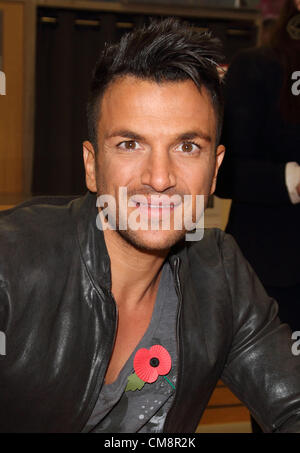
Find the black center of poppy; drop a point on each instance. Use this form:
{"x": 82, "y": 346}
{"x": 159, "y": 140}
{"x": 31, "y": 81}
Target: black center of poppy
{"x": 154, "y": 362}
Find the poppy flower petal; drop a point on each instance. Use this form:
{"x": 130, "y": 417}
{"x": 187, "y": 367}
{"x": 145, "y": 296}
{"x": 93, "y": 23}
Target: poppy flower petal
{"x": 142, "y": 355}
{"x": 146, "y": 373}
{"x": 142, "y": 367}
{"x": 165, "y": 361}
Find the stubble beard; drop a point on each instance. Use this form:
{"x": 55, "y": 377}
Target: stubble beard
{"x": 133, "y": 238}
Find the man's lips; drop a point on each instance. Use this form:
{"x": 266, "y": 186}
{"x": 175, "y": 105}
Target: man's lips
{"x": 155, "y": 206}
{"x": 154, "y": 202}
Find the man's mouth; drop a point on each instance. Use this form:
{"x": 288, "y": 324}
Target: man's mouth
{"x": 155, "y": 206}
{"x": 155, "y": 202}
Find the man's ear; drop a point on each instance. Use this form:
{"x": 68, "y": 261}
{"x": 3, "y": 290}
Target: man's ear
{"x": 220, "y": 152}
{"x": 89, "y": 158}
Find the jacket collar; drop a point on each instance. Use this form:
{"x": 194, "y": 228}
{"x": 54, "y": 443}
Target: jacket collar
{"x": 91, "y": 240}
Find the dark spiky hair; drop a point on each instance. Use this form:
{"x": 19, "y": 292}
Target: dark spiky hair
{"x": 166, "y": 50}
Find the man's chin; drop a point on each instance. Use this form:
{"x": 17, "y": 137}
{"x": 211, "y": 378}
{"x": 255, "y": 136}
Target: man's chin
{"x": 152, "y": 241}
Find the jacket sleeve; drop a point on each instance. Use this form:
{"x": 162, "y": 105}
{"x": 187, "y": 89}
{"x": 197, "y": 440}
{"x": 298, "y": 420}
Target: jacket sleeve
{"x": 247, "y": 175}
{"x": 261, "y": 368}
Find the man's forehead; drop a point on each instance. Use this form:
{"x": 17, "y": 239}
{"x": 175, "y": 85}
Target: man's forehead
{"x": 129, "y": 87}
{"x": 170, "y": 106}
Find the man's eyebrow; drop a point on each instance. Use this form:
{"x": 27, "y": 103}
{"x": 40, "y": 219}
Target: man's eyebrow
{"x": 124, "y": 133}
{"x": 135, "y": 136}
{"x": 195, "y": 134}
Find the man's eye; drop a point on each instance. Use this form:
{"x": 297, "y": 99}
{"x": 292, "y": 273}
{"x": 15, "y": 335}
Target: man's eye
{"x": 128, "y": 145}
{"x": 189, "y": 147}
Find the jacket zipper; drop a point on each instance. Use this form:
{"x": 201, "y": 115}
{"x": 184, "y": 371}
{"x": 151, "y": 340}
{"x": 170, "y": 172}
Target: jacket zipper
{"x": 179, "y": 295}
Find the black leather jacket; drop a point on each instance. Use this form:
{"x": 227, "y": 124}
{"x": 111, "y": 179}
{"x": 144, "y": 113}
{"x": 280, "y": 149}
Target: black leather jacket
{"x": 59, "y": 317}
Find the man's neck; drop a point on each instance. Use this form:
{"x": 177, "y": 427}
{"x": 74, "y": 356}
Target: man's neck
{"x": 135, "y": 273}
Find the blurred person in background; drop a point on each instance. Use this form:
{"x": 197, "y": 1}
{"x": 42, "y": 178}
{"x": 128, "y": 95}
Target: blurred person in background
{"x": 261, "y": 172}
{"x": 267, "y": 30}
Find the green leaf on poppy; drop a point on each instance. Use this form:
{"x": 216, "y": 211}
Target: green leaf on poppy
{"x": 134, "y": 383}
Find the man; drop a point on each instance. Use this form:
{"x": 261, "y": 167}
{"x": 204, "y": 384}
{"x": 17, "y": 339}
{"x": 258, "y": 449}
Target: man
{"x": 114, "y": 323}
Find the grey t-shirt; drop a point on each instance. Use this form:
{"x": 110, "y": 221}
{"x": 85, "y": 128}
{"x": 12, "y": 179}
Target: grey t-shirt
{"x": 144, "y": 410}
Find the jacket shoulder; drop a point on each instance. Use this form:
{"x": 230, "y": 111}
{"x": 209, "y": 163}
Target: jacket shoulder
{"x": 36, "y": 212}
{"x": 34, "y": 228}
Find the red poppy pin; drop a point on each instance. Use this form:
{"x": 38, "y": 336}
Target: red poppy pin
{"x": 148, "y": 364}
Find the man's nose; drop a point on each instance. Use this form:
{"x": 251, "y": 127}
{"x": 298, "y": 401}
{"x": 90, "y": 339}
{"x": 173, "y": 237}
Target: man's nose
{"x": 158, "y": 171}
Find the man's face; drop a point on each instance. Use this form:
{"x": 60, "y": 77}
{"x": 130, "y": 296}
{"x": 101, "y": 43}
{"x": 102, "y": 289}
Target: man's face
{"x": 154, "y": 139}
